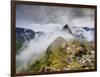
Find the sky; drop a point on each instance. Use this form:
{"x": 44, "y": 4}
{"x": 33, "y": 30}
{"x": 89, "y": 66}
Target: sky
{"x": 27, "y": 15}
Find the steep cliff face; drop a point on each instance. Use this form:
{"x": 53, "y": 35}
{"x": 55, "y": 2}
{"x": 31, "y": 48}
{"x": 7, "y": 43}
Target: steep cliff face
{"x": 62, "y": 55}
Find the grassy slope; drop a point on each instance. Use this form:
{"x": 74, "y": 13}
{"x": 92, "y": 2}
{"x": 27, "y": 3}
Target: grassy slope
{"x": 60, "y": 58}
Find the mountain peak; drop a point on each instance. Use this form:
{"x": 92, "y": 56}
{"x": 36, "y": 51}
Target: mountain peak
{"x": 66, "y": 27}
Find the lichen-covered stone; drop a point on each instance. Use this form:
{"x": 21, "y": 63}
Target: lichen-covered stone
{"x": 62, "y": 55}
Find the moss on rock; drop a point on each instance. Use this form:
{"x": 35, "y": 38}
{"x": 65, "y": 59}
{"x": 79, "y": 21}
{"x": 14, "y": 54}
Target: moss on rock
{"x": 64, "y": 55}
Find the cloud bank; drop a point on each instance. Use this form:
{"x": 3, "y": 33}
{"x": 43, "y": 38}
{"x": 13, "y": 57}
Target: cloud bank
{"x": 29, "y": 14}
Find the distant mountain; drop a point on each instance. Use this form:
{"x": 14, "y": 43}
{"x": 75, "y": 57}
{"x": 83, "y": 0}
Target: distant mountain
{"x": 24, "y": 34}
{"x": 82, "y": 33}
{"x": 66, "y": 27}
{"x": 88, "y": 29}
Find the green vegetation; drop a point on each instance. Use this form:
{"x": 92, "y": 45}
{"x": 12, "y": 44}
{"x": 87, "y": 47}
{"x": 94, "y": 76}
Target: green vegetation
{"x": 64, "y": 55}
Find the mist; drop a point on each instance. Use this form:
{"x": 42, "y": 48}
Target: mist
{"x": 50, "y": 21}
{"x": 34, "y": 49}
{"x": 29, "y": 14}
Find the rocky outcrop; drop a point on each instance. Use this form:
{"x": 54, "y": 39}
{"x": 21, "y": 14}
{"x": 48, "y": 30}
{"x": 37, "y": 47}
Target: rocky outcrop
{"x": 66, "y": 27}
{"x": 62, "y": 55}
{"x": 72, "y": 55}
